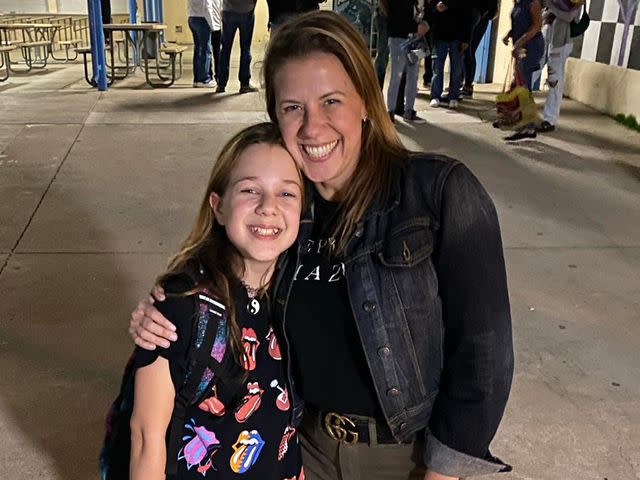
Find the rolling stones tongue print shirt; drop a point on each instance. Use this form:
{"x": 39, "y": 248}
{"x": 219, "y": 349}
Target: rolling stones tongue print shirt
{"x": 247, "y": 436}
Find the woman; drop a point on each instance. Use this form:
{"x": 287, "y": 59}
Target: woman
{"x": 528, "y": 48}
{"x": 558, "y": 45}
{"x": 392, "y": 309}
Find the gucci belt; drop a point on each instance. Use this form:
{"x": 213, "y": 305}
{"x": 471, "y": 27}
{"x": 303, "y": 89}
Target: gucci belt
{"x": 340, "y": 428}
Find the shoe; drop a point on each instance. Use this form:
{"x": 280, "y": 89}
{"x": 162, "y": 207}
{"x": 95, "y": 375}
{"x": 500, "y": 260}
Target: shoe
{"x": 521, "y": 135}
{"x": 467, "y": 91}
{"x": 426, "y": 85}
{"x": 209, "y": 84}
{"x": 412, "y": 116}
{"x": 434, "y": 103}
{"x": 399, "y": 111}
{"x": 220, "y": 89}
{"x": 545, "y": 127}
{"x": 248, "y": 88}
{"x": 454, "y": 104}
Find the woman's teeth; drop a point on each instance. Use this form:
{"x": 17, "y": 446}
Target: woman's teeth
{"x": 321, "y": 150}
{"x": 265, "y": 231}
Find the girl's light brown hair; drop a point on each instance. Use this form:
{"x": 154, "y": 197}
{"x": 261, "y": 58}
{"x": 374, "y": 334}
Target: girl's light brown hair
{"x": 328, "y": 32}
{"x": 207, "y": 251}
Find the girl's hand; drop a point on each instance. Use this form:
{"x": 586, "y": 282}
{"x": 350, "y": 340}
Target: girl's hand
{"x": 431, "y": 475}
{"x": 148, "y": 327}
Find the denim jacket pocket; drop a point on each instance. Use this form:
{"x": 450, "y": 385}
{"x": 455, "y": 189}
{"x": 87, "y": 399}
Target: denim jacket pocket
{"x": 408, "y": 244}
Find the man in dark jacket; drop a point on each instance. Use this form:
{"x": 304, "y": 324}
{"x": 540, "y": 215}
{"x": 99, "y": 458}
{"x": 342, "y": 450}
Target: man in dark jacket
{"x": 482, "y": 13}
{"x": 451, "y": 31}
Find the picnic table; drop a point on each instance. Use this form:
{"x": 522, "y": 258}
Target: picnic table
{"x": 142, "y": 44}
{"x": 34, "y": 38}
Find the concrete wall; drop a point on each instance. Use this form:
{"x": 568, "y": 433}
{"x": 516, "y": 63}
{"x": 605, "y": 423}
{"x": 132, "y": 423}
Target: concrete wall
{"x": 606, "y": 88}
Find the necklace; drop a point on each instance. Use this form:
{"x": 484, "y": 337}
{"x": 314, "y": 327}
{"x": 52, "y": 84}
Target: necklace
{"x": 253, "y": 307}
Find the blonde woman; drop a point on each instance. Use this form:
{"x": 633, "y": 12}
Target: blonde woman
{"x": 392, "y": 308}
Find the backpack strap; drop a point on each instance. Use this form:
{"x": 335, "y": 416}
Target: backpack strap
{"x": 209, "y": 341}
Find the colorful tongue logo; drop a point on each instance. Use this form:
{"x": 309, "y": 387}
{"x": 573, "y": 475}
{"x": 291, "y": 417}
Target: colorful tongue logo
{"x": 274, "y": 348}
{"x": 250, "y": 403}
{"x": 250, "y": 343}
{"x": 246, "y": 451}
{"x": 200, "y": 448}
{"x": 213, "y": 404}
{"x": 282, "y": 400}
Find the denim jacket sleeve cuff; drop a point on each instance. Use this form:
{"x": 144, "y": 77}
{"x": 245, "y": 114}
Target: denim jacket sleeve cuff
{"x": 447, "y": 461}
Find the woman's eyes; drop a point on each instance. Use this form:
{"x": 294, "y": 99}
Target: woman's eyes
{"x": 332, "y": 101}
{"x": 291, "y": 108}
{"x": 249, "y": 190}
{"x": 288, "y": 194}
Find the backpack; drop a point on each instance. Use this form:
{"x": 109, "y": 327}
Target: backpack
{"x": 204, "y": 363}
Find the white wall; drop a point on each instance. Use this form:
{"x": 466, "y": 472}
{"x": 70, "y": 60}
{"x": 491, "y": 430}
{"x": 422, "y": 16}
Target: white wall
{"x": 64, "y": 6}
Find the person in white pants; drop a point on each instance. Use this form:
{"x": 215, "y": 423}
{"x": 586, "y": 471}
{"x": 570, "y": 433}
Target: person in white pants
{"x": 556, "y": 31}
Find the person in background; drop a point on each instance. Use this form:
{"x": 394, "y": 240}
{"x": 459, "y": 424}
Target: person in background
{"x": 237, "y": 15}
{"x": 281, "y": 10}
{"x": 105, "y": 10}
{"x": 202, "y": 23}
{"x": 451, "y": 30}
{"x": 528, "y": 48}
{"x": 382, "y": 53}
{"x": 404, "y": 20}
{"x": 557, "y": 48}
{"x": 481, "y": 15}
{"x": 216, "y": 38}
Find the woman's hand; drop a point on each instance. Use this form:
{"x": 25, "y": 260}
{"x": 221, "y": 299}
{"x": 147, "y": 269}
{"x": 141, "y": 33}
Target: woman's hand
{"x": 148, "y": 327}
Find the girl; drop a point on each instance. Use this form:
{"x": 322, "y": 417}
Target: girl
{"x": 249, "y": 216}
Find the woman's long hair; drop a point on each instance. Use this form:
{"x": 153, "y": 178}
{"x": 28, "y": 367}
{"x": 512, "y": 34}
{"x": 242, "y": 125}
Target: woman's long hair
{"x": 328, "y": 32}
{"x": 207, "y": 248}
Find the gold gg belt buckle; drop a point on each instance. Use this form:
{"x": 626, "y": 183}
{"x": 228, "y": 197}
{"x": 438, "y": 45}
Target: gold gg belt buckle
{"x": 340, "y": 428}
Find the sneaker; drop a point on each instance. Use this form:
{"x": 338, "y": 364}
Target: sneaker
{"x": 435, "y": 103}
{"x": 209, "y": 84}
{"x": 426, "y": 85}
{"x": 453, "y": 104}
{"x": 545, "y": 127}
{"x": 248, "y": 88}
{"x": 412, "y": 116}
{"x": 521, "y": 135}
{"x": 467, "y": 91}
{"x": 220, "y": 89}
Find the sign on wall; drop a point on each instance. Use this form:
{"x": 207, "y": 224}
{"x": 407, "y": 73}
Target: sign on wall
{"x": 359, "y": 12}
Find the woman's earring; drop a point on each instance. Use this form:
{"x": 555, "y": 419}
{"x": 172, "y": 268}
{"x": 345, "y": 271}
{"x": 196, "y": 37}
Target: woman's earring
{"x": 365, "y": 119}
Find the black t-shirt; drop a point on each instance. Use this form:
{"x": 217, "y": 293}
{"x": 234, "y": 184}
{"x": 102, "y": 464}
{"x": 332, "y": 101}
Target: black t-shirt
{"x": 400, "y": 21}
{"x": 244, "y": 436}
{"x": 328, "y": 360}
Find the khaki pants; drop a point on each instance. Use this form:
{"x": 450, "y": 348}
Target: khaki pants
{"x": 327, "y": 459}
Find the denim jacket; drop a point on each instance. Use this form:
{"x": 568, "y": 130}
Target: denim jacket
{"x": 427, "y": 284}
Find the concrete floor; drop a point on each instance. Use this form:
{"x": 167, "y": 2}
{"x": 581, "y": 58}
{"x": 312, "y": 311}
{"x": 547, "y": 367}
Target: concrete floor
{"x": 97, "y": 189}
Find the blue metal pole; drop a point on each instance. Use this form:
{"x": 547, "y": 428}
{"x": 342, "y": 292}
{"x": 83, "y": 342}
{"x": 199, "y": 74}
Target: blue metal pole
{"x": 133, "y": 11}
{"x": 98, "y": 60}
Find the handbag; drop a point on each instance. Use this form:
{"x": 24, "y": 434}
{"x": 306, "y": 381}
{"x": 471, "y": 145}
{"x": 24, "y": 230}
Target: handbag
{"x": 516, "y": 107}
{"x": 578, "y": 28}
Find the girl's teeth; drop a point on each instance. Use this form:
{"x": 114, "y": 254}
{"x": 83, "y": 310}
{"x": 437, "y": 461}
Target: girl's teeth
{"x": 320, "y": 151}
{"x": 265, "y": 231}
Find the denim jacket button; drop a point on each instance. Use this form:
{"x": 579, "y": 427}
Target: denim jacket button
{"x": 369, "y": 306}
{"x": 393, "y": 392}
{"x": 403, "y": 426}
{"x": 384, "y": 351}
